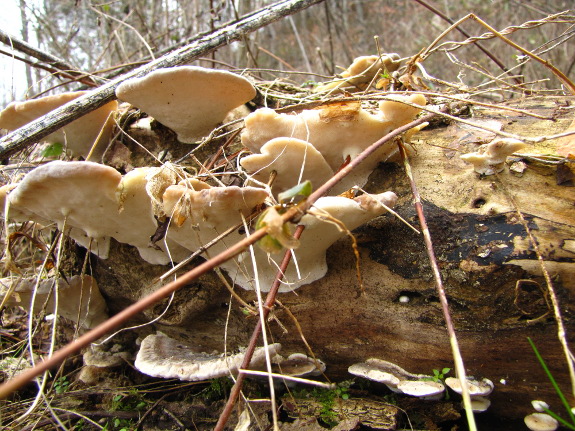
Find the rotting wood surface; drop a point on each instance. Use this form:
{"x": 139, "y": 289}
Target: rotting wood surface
{"x": 483, "y": 253}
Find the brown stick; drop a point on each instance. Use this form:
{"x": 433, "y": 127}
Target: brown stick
{"x": 43, "y": 126}
{"x": 59, "y": 356}
{"x": 269, "y": 302}
{"x": 456, "y": 352}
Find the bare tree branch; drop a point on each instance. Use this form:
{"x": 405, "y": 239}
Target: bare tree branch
{"x": 43, "y": 126}
{"x": 68, "y": 70}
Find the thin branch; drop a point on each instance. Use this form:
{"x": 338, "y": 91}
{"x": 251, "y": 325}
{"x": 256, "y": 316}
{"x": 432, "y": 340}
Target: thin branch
{"x": 53, "y": 61}
{"x": 456, "y": 352}
{"x": 43, "y": 126}
{"x": 270, "y": 300}
{"x": 464, "y": 33}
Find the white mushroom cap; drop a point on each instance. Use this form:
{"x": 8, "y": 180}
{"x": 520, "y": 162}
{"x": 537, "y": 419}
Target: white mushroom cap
{"x": 372, "y": 373}
{"x": 94, "y": 202}
{"x": 480, "y": 404}
{"x": 421, "y": 388}
{"x": 490, "y": 158}
{"x": 539, "y": 405}
{"x": 481, "y": 163}
{"x": 541, "y": 422}
{"x": 190, "y": 100}
{"x": 59, "y": 191}
{"x": 317, "y": 237}
{"x": 474, "y": 387}
{"x": 292, "y": 159}
{"x": 79, "y": 135}
{"x": 216, "y": 208}
{"x": 162, "y": 356}
{"x": 499, "y": 149}
{"x": 397, "y": 379}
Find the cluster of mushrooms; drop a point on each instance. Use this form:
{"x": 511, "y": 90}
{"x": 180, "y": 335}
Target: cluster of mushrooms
{"x": 92, "y": 202}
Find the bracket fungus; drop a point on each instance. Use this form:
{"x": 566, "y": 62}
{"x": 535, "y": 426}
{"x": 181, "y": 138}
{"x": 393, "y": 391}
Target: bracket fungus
{"x": 362, "y": 71}
{"x": 335, "y": 131}
{"x": 397, "y": 379}
{"x": 320, "y": 233}
{"x": 490, "y": 158}
{"x": 162, "y": 356}
{"x": 300, "y": 365}
{"x": 199, "y": 213}
{"x": 80, "y": 300}
{"x": 190, "y": 100}
{"x": 541, "y": 422}
{"x": 92, "y": 202}
{"x": 478, "y": 391}
{"x": 93, "y": 129}
{"x": 292, "y": 159}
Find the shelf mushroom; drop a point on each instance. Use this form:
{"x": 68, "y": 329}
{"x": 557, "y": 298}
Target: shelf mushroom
{"x": 336, "y": 132}
{"x": 93, "y": 202}
{"x": 319, "y": 234}
{"x": 397, "y": 379}
{"x": 162, "y": 356}
{"x": 92, "y": 129}
{"x": 190, "y": 100}
{"x": 490, "y": 158}
{"x": 478, "y": 390}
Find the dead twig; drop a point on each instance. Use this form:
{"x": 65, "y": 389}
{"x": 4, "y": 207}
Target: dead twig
{"x": 66, "y": 69}
{"x": 456, "y": 352}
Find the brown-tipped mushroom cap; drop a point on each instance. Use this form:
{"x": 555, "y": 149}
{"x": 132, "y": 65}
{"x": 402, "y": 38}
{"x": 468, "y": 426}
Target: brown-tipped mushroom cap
{"x": 475, "y": 387}
{"x": 300, "y": 365}
{"x": 78, "y": 136}
{"x": 162, "y": 356}
{"x": 189, "y": 100}
{"x": 336, "y": 131}
{"x": 541, "y": 422}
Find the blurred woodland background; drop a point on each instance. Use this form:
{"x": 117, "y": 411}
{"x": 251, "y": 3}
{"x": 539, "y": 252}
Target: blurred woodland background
{"x": 104, "y": 38}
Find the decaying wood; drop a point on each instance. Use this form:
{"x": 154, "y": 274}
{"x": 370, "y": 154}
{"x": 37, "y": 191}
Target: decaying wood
{"x": 202, "y": 45}
{"x": 495, "y": 289}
